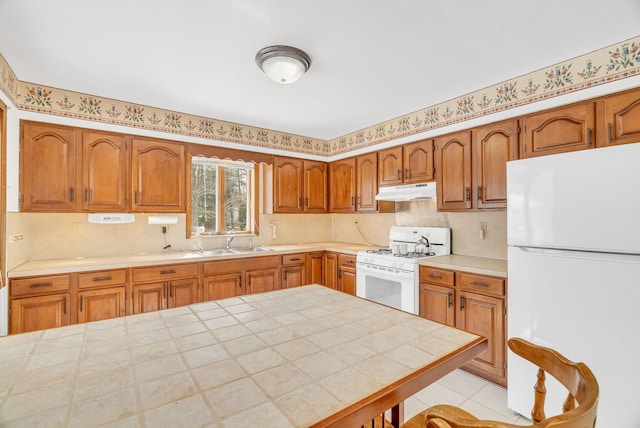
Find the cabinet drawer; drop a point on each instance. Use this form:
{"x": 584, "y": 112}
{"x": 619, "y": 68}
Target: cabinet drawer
{"x": 347, "y": 260}
{"x": 240, "y": 265}
{"x": 292, "y": 259}
{"x": 102, "y": 278}
{"x": 164, "y": 273}
{"x": 39, "y": 284}
{"x": 482, "y": 284}
{"x": 436, "y": 276}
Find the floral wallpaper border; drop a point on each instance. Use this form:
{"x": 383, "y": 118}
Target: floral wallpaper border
{"x": 603, "y": 66}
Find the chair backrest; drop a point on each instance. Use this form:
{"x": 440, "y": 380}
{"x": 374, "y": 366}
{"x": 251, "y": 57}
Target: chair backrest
{"x": 580, "y": 407}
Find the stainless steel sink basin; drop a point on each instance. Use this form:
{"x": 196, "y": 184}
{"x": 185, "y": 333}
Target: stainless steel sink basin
{"x": 252, "y": 250}
{"x": 224, "y": 251}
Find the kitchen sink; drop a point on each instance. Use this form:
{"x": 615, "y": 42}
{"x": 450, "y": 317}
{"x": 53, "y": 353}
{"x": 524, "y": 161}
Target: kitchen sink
{"x": 252, "y": 250}
{"x": 225, "y": 251}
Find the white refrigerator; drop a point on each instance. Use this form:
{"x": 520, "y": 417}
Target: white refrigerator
{"x": 573, "y": 223}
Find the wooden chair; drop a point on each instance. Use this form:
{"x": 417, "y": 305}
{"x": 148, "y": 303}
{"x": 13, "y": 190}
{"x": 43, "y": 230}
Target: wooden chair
{"x": 576, "y": 377}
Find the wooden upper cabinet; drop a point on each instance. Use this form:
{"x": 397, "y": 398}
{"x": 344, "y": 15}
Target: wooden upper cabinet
{"x": 315, "y": 187}
{"x": 105, "y": 169}
{"x": 411, "y": 163}
{"x": 559, "y": 130}
{"x": 622, "y": 118}
{"x": 342, "y": 176}
{"x": 157, "y": 176}
{"x": 366, "y": 182}
{"x": 390, "y": 169}
{"x": 48, "y": 168}
{"x": 493, "y": 145}
{"x": 453, "y": 171}
{"x": 418, "y": 162}
{"x": 287, "y": 185}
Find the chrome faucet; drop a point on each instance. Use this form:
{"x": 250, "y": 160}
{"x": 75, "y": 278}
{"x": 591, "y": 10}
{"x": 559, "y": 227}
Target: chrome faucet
{"x": 229, "y": 239}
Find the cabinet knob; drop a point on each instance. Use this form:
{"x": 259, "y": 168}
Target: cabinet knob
{"x": 399, "y": 175}
{"x": 406, "y": 173}
{"x": 609, "y": 133}
{"x": 479, "y": 193}
{"x": 461, "y": 302}
{"x": 588, "y": 137}
{"x": 467, "y": 193}
{"x": 449, "y": 302}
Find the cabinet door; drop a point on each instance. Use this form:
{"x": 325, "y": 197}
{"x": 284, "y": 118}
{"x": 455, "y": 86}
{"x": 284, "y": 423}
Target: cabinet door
{"x": 223, "y": 286}
{"x": 560, "y": 130}
{"x": 259, "y": 281}
{"x": 485, "y": 316}
{"x": 366, "y": 183}
{"x": 347, "y": 280}
{"x": 453, "y": 171}
{"x": 182, "y": 292}
{"x": 48, "y": 168}
{"x": 493, "y": 146}
{"x": 330, "y": 270}
{"x": 315, "y": 268}
{"x": 105, "y": 169}
{"x": 315, "y": 187}
{"x": 293, "y": 276}
{"x": 149, "y": 297}
{"x": 622, "y": 118}
{"x": 437, "y": 303}
{"x": 287, "y": 185}
{"x": 101, "y": 304}
{"x": 39, "y": 313}
{"x": 390, "y": 166}
{"x": 342, "y": 175}
{"x": 157, "y": 176}
{"x": 418, "y": 162}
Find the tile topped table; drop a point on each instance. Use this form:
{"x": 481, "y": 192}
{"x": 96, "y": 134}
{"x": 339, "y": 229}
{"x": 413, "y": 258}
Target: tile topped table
{"x": 306, "y": 356}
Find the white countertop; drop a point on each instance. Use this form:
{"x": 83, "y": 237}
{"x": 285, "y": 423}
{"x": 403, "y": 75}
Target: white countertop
{"x": 479, "y": 265}
{"x": 287, "y": 358}
{"x": 84, "y": 264}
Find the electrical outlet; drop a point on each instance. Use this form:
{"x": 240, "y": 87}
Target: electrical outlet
{"x": 483, "y": 230}
{"x": 15, "y": 238}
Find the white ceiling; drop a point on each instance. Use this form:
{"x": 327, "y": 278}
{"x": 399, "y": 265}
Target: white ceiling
{"x": 372, "y": 60}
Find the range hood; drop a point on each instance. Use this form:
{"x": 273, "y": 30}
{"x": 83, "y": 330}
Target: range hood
{"x": 407, "y": 192}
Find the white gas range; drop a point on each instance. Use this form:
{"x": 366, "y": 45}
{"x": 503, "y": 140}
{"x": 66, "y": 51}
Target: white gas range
{"x": 390, "y": 276}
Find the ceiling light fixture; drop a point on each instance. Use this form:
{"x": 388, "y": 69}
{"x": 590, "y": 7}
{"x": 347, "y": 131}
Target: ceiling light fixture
{"x": 283, "y": 64}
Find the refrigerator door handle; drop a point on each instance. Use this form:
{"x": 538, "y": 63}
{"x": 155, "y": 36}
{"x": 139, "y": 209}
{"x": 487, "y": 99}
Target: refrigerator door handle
{"x": 585, "y": 255}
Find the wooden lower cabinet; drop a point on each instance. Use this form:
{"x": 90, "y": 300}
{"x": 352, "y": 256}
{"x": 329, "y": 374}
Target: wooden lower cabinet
{"x": 223, "y": 286}
{"x": 165, "y": 286}
{"x": 149, "y": 297}
{"x": 347, "y": 273}
{"x": 474, "y": 303}
{"x": 330, "y": 274}
{"x": 315, "y": 267}
{"x": 101, "y": 304}
{"x": 437, "y": 303}
{"x": 260, "y": 281}
{"x": 293, "y": 270}
{"x": 340, "y": 272}
{"x": 229, "y": 278}
{"x": 39, "y": 313}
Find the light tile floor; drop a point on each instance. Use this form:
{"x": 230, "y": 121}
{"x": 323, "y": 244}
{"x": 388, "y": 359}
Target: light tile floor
{"x": 483, "y": 399}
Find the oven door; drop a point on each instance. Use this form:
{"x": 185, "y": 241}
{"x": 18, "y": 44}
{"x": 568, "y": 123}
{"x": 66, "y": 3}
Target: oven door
{"x": 393, "y": 287}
